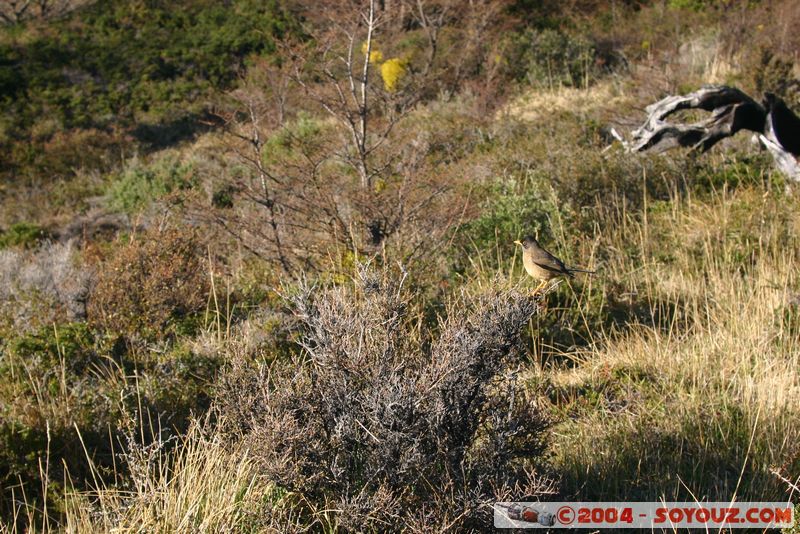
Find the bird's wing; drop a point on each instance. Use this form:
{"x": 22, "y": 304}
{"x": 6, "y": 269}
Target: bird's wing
{"x": 545, "y": 260}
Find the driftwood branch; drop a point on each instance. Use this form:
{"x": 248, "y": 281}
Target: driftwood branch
{"x": 778, "y": 128}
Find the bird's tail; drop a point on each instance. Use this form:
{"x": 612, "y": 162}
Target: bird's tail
{"x": 576, "y": 270}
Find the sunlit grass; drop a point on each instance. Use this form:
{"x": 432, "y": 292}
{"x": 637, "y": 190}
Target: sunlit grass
{"x": 704, "y": 399}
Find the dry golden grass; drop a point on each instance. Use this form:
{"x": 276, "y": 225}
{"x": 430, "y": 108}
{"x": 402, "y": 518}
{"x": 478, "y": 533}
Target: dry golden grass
{"x": 535, "y": 105}
{"x": 204, "y": 485}
{"x": 696, "y": 392}
{"x": 705, "y": 401}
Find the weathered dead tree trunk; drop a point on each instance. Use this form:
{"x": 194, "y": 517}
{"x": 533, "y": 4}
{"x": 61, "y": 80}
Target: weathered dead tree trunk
{"x": 778, "y": 128}
{"x": 782, "y": 136}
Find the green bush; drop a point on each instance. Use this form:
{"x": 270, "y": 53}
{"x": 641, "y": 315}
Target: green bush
{"x": 693, "y": 5}
{"x": 114, "y": 59}
{"x": 511, "y": 209}
{"x": 50, "y": 382}
{"x": 136, "y": 74}
{"x": 732, "y": 172}
{"x": 290, "y": 139}
{"x": 66, "y": 377}
{"x": 550, "y": 58}
{"x": 139, "y": 185}
{"x": 70, "y": 344}
{"x": 22, "y": 235}
{"x": 774, "y": 73}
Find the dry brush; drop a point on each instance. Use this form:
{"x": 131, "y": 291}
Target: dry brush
{"x": 391, "y": 425}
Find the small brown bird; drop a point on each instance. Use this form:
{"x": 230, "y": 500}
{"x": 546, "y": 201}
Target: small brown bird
{"x": 542, "y": 265}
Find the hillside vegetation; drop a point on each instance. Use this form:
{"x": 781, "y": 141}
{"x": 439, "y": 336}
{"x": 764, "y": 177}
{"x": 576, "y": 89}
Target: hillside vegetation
{"x": 257, "y": 270}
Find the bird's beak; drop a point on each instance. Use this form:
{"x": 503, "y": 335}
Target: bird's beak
{"x": 517, "y": 242}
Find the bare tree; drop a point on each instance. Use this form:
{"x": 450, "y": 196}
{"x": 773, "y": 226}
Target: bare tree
{"x": 355, "y": 95}
{"x": 284, "y": 203}
{"x": 300, "y": 195}
{"x": 352, "y": 93}
{"x": 431, "y": 20}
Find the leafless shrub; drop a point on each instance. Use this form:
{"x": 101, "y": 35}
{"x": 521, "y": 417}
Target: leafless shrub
{"x": 347, "y": 169}
{"x": 38, "y": 287}
{"x": 389, "y": 425}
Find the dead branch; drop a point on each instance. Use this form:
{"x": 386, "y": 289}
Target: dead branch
{"x": 732, "y": 110}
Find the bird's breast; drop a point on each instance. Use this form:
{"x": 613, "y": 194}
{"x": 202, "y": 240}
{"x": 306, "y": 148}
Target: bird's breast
{"x": 533, "y": 269}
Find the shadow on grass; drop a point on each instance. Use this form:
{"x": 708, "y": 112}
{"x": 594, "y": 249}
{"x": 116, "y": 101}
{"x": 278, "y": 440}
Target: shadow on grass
{"x": 567, "y": 326}
{"x": 163, "y": 135}
{"x": 672, "y": 457}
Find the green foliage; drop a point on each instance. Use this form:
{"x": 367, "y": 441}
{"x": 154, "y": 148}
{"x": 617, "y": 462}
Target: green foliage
{"x": 47, "y": 382}
{"x": 693, "y": 5}
{"x": 550, "y": 58}
{"x": 543, "y": 14}
{"x": 139, "y": 185}
{"x": 305, "y": 130}
{"x": 512, "y": 209}
{"x": 22, "y": 235}
{"x": 127, "y": 73}
{"x": 114, "y": 60}
{"x": 66, "y": 376}
{"x": 733, "y": 173}
{"x": 20, "y": 448}
{"x": 70, "y": 344}
{"x": 774, "y": 73}
{"x": 178, "y": 380}
{"x": 223, "y": 197}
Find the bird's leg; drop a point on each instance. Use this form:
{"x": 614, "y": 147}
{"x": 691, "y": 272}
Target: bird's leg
{"x": 541, "y": 285}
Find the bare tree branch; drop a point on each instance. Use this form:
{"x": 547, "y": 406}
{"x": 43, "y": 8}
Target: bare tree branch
{"x": 732, "y": 110}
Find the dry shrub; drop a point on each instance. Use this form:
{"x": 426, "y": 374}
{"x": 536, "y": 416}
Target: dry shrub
{"x": 313, "y": 208}
{"x": 40, "y": 287}
{"x": 150, "y": 287}
{"x": 388, "y": 424}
